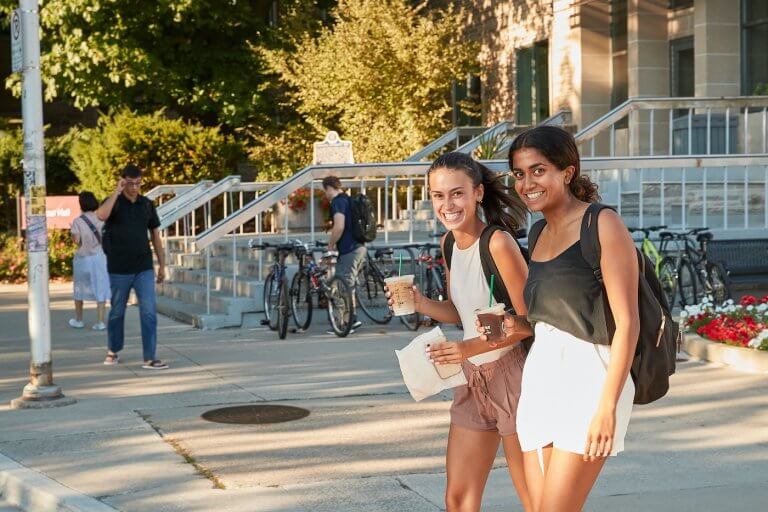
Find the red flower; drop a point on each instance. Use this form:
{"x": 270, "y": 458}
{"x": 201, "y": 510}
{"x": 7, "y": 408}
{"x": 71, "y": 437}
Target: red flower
{"x": 748, "y": 300}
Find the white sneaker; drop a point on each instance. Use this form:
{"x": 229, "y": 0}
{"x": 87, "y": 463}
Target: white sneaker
{"x": 99, "y": 326}
{"x": 76, "y": 324}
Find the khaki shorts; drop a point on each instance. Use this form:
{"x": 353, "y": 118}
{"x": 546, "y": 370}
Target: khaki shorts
{"x": 489, "y": 400}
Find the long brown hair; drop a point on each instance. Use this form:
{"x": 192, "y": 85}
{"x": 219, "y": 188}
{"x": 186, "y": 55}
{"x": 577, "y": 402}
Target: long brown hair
{"x": 501, "y": 204}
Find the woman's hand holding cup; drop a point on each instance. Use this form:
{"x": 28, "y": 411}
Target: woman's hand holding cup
{"x": 415, "y": 295}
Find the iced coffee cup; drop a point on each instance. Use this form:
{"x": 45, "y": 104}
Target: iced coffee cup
{"x": 492, "y": 321}
{"x": 400, "y": 289}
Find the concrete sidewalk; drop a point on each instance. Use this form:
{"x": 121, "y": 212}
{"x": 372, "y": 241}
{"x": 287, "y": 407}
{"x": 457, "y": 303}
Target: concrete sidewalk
{"x": 136, "y": 442}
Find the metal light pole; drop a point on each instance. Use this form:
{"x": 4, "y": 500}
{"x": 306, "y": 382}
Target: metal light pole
{"x": 41, "y": 390}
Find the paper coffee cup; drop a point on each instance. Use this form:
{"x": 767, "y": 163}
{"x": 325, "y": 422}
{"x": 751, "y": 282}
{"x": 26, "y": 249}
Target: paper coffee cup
{"x": 400, "y": 288}
{"x": 492, "y": 320}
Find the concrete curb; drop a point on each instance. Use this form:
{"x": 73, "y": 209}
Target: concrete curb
{"x": 33, "y": 491}
{"x": 739, "y": 358}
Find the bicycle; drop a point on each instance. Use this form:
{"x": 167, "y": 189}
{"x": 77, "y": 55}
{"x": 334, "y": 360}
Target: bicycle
{"x": 665, "y": 269}
{"x": 693, "y": 269}
{"x": 432, "y": 280}
{"x": 314, "y": 280}
{"x": 369, "y": 289}
{"x": 276, "y": 288}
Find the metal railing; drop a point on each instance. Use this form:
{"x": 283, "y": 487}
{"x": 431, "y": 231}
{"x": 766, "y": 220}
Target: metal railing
{"x": 193, "y": 199}
{"x": 452, "y": 137}
{"x": 162, "y": 190}
{"x": 679, "y": 126}
{"x": 559, "y": 118}
{"x": 182, "y": 197}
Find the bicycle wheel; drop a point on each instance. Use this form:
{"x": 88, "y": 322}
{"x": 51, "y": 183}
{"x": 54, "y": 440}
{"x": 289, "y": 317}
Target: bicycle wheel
{"x": 339, "y": 306}
{"x": 301, "y": 301}
{"x": 370, "y": 295}
{"x": 282, "y": 309}
{"x": 718, "y": 282}
{"x": 271, "y": 296}
{"x": 686, "y": 279}
{"x": 668, "y": 280}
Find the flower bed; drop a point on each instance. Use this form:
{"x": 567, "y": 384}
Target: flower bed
{"x": 744, "y": 324}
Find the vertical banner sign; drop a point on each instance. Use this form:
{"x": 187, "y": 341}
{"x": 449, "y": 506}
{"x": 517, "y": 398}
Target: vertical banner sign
{"x": 17, "y": 55}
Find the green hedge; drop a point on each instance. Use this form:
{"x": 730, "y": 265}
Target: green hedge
{"x": 13, "y": 256}
{"x": 168, "y": 150}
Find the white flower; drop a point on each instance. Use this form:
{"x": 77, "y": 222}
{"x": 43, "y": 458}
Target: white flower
{"x": 683, "y": 314}
{"x": 754, "y": 343}
{"x": 750, "y": 308}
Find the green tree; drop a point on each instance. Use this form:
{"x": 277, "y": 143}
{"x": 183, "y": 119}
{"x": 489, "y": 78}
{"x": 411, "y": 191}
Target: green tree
{"x": 168, "y": 151}
{"x": 380, "y": 74}
{"x": 190, "y": 56}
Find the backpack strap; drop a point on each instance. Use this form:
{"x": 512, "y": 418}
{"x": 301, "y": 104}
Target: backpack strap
{"x": 489, "y": 267}
{"x": 448, "y": 248}
{"x": 590, "y": 241}
{"x": 93, "y": 228}
{"x": 534, "y": 233}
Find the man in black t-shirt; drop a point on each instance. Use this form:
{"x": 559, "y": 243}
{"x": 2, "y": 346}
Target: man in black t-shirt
{"x": 352, "y": 253}
{"x": 128, "y": 219}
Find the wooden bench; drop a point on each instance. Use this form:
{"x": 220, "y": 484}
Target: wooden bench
{"x": 745, "y": 260}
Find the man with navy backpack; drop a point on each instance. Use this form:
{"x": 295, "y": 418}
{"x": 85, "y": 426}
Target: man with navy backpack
{"x": 129, "y": 218}
{"x": 351, "y": 248}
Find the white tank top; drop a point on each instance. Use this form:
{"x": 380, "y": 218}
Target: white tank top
{"x": 470, "y": 292}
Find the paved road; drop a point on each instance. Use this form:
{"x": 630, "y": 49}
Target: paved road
{"x": 136, "y": 440}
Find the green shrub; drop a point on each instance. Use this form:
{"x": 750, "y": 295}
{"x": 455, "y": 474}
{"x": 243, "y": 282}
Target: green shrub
{"x": 167, "y": 150}
{"x": 13, "y": 256}
{"x": 59, "y": 177}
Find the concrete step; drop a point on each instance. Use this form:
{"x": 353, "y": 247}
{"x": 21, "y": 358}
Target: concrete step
{"x": 221, "y": 302}
{"x": 196, "y": 315}
{"x": 404, "y": 225}
{"x": 246, "y": 286}
{"x": 417, "y": 214}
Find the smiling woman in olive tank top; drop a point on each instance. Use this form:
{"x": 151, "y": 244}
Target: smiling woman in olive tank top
{"x": 576, "y": 391}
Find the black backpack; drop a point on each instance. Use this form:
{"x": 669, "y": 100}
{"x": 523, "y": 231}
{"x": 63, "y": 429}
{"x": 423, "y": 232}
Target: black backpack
{"x": 656, "y": 351}
{"x": 500, "y": 293}
{"x": 363, "y": 219}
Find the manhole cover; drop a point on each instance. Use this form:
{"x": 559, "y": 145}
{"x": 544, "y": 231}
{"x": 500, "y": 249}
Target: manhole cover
{"x": 255, "y": 414}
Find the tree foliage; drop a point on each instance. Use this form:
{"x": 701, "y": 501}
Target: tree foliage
{"x": 380, "y": 74}
{"x": 190, "y": 56}
{"x": 167, "y": 150}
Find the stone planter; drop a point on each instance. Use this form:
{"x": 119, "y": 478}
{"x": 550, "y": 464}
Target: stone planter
{"x": 299, "y": 220}
{"x": 739, "y": 358}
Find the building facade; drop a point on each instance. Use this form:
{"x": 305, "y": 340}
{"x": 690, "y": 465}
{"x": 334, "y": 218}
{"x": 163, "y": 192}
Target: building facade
{"x": 588, "y": 56}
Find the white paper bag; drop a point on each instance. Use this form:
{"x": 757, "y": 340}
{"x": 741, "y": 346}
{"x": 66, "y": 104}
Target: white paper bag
{"x": 419, "y": 374}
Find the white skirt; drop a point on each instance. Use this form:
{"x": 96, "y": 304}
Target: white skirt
{"x": 562, "y": 383}
{"x": 91, "y": 280}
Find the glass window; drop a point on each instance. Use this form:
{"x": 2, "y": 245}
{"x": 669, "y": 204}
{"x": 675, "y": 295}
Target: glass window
{"x": 754, "y": 45}
{"x": 681, "y": 69}
{"x": 680, "y": 4}
{"x": 532, "y": 83}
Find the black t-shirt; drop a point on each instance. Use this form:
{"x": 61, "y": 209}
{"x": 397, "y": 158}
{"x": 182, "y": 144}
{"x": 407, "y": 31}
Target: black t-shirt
{"x": 127, "y": 233}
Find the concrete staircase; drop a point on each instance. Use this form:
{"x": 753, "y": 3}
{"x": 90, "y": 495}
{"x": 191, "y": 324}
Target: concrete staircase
{"x": 234, "y": 300}
{"x": 422, "y": 217}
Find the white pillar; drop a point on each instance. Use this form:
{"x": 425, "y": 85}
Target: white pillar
{"x": 41, "y": 390}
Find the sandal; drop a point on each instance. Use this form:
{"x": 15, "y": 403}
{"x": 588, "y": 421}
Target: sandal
{"x": 155, "y": 364}
{"x": 111, "y": 359}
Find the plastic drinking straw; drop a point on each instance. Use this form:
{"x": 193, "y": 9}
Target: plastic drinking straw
{"x": 400, "y": 268}
{"x": 490, "y": 299}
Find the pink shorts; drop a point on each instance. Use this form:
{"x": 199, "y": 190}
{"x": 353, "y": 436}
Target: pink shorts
{"x": 489, "y": 400}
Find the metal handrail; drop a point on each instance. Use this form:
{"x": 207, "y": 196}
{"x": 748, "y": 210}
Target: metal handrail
{"x": 161, "y": 190}
{"x": 606, "y": 121}
{"x": 183, "y": 197}
{"x": 299, "y": 180}
{"x": 262, "y": 203}
{"x": 451, "y": 135}
{"x": 559, "y": 118}
{"x": 191, "y": 203}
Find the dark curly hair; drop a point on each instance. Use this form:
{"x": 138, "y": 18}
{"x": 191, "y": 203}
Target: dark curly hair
{"x": 559, "y": 147}
{"x": 501, "y": 204}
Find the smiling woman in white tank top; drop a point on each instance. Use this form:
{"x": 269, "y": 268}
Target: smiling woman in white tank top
{"x": 483, "y": 412}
